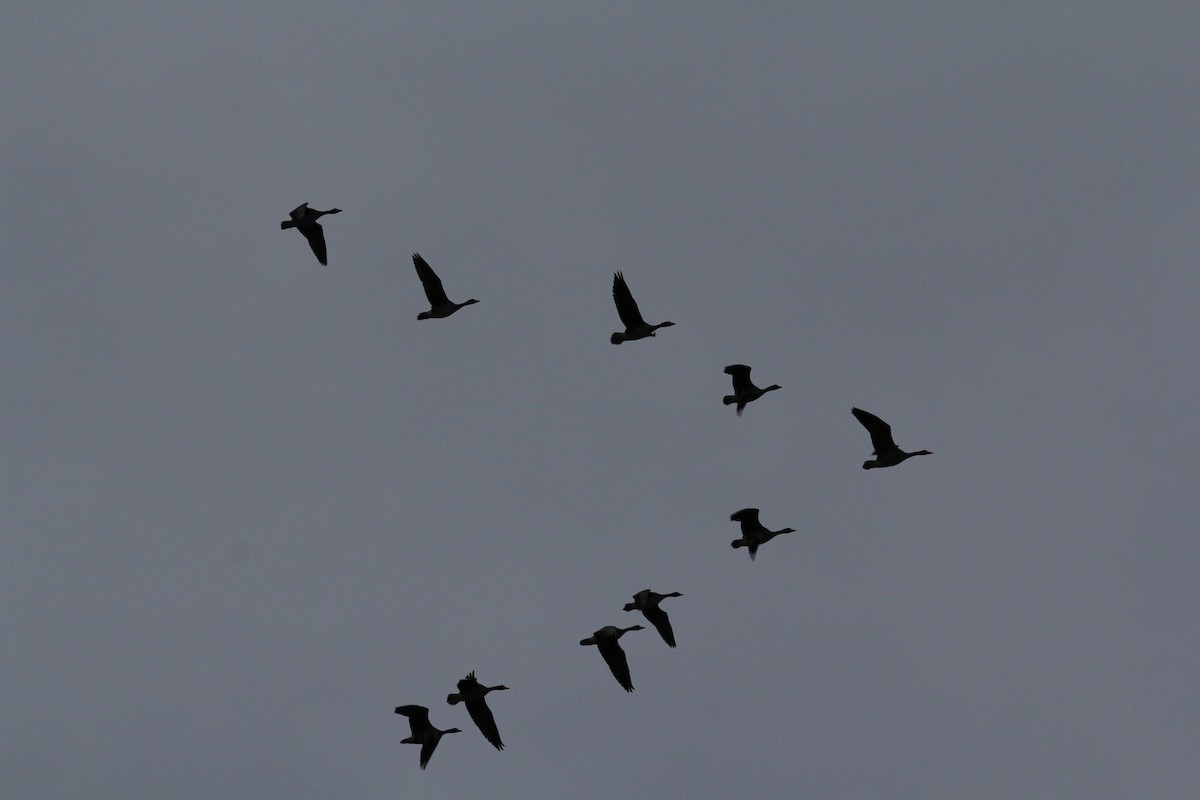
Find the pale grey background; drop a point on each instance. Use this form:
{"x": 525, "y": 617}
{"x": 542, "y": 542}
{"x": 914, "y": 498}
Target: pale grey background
{"x": 250, "y": 504}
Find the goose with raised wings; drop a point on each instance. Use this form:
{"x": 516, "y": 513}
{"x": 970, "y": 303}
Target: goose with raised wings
{"x": 744, "y": 390}
{"x": 635, "y": 326}
{"x": 440, "y": 305}
{"x": 887, "y": 454}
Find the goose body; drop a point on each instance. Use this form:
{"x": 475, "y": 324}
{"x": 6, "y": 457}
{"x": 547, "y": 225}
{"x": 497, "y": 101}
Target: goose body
{"x": 744, "y": 390}
{"x": 423, "y": 733}
{"x": 647, "y": 602}
{"x": 440, "y": 306}
{"x": 887, "y": 454}
{"x": 631, "y": 317}
{"x": 753, "y": 531}
{"x": 606, "y": 640}
{"x": 472, "y": 693}
{"x": 305, "y": 219}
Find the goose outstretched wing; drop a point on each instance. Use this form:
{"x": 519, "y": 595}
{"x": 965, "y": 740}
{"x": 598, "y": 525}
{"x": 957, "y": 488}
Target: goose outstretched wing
{"x": 418, "y": 718}
{"x": 881, "y": 432}
{"x": 661, "y": 622}
{"x": 316, "y": 240}
{"x": 614, "y": 656}
{"x": 627, "y": 307}
{"x": 431, "y": 282}
{"x": 483, "y": 719}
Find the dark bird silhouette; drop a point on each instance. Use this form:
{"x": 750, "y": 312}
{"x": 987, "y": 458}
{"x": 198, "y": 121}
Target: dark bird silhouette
{"x": 439, "y": 305}
{"x": 631, "y": 317}
{"x": 753, "y": 532}
{"x": 744, "y": 390}
{"x": 423, "y": 733}
{"x": 472, "y": 692}
{"x": 305, "y": 219}
{"x": 647, "y": 602}
{"x": 606, "y": 639}
{"x": 886, "y": 452}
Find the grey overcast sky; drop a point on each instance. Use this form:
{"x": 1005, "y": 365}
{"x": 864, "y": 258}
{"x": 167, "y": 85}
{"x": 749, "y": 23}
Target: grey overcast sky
{"x": 250, "y": 504}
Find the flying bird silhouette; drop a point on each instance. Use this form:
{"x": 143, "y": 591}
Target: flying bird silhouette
{"x": 439, "y": 305}
{"x": 647, "y": 602}
{"x": 744, "y": 390}
{"x": 631, "y": 317}
{"x": 305, "y": 219}
{"x": 887, "y": 454}
{"x": 753, "y": 531}
{"x": 472, "y": 692}
{"x": 606, "y": 639}
{"x": 423, "y": 733}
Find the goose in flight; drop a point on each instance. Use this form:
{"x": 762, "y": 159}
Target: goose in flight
{"x": 439, "y": 305}
{"x": 423, "y": 733}
{"x": 753, "y": 532}
{"x": 606, "y": 639}
{"x": 631, "y": 317}
{"x": 471, "y": 692}
{"x": 886, "y": 452}
{"x": 744, "y": 390}
{"x": 305, "y": 219}
{"x": 647, "y": 602}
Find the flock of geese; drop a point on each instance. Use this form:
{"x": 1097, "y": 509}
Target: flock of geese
{"x": 471, "y": 692}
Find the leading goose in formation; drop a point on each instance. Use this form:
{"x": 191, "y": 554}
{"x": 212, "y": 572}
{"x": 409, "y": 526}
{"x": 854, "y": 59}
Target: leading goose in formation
{"x": 606, "y": 639}
{"x": 439, "y": 305}
{"x": 647, "y": 602}
{"x": 631, "y": 317}
{"x": 886, "y": 452}
{"x": 753, "y": 532}
{"x": 423, "y": 733}
{"x": 305, "y": 219}
{"x": 744, "y": 390}
{"x": 472, "y": 692}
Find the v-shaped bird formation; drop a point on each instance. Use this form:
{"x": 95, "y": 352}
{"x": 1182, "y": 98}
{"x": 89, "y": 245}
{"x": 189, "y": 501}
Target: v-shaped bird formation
{"x": 471, "y": 692}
